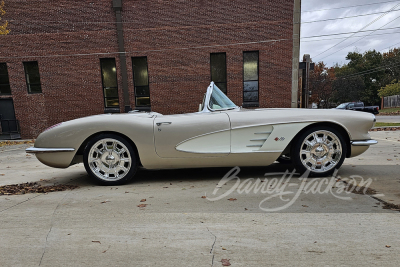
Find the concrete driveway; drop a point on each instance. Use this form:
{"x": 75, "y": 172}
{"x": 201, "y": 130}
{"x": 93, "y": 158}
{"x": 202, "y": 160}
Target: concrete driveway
{"x": 103, "y": 226}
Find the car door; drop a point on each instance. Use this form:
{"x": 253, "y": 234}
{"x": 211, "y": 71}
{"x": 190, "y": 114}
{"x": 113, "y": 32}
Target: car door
{"x": 202, "y": 134}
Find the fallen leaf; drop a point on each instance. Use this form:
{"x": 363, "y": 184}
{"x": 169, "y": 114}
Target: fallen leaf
{"x": 142, "y": 205}
{"x": 105, "y": 201}
{"x": 225, "y": 262}
{"x": 388, "y": 246}
{"x": 143, "y": 200}
{"x": 232, "y": 199}
{"x": 389, "y": 159}
{"x": 203, "y": 197}
{"x": 245, "y": 208}
{"x": 305, "y": 206}
{"x": 165, "y": 187}
{"x": 223, "y": 248}
{"x": 96, "y": 242}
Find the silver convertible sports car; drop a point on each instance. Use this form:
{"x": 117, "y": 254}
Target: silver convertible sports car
{"x": 221, "y": 134}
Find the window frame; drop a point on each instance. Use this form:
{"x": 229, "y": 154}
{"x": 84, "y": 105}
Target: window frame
{"x": 252, "y": 103}
{"x": 148, "y": 84}
{"x": 112, "y": 108}
{"x": 8, "y": 79}
{"x": 28, "y": 84}
{"x": 226, "y": 72}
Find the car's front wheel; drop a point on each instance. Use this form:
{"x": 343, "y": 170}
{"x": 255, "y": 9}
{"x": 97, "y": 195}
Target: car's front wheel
{"x": 320, "y": 150}
{"x": 110, "y": 159}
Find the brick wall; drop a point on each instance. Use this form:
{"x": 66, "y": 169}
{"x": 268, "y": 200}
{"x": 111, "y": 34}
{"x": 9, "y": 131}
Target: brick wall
{"x": 67, "y": 38}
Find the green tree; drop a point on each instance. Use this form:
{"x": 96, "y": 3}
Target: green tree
{"x": 347, "y": 88}
{"x": 391, "y": 61}
{"x": 320, "y": 84}
{"x": 390, "y": 89}
{"x": 3, "y": 27}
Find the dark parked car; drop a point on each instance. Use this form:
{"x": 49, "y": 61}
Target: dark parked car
{"x": 359, "y": 106}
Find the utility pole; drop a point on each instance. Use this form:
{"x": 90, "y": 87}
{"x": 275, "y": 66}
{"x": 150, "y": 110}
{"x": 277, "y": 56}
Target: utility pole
{"x": 117, "y": 6}
{"x": 305, "y": 66}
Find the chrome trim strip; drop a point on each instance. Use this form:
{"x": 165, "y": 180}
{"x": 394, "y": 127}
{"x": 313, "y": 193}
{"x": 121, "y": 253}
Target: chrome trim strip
{"x": 201, "y": 135}
{"x": 264, "y": 133}
{"x": 261, "y": 139}
{"x": 364, "y": 143}
{"x": 34, "y": 150}
{"x": 258, "y": 151}
{"x": 254, "y": 145}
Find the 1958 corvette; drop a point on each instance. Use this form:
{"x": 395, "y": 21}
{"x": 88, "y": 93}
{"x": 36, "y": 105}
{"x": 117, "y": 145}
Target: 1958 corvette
{"x": 221, "y": 134}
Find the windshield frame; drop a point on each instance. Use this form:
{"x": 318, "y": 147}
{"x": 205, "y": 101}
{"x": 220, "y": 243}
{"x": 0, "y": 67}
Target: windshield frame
{"x": 220, "y": 94}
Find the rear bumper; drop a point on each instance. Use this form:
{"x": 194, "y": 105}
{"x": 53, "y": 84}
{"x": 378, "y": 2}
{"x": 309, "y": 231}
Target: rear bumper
{"x": 35, "y": 150}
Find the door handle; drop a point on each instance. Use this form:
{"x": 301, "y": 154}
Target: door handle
{"x": 160, "y": 123}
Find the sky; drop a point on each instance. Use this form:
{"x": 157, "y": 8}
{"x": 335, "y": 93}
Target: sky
{"x": 322, "y": 41}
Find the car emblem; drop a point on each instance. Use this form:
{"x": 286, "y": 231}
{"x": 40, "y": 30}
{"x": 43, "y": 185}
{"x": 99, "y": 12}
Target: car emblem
{"x": 279, "y": 139}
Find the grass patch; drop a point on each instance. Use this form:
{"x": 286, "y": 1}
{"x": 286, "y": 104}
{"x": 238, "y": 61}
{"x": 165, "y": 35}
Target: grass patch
{"x": 384, "y": 124}
{"x": 389, "y": 110}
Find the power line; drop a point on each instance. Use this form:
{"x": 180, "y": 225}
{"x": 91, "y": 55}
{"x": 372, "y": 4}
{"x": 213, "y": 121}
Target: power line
{"x": 389, "y": 46}
{"x": 381, "y": 16}
{"x": 351, "y": 37}
{"x": 333, "y": 34}
{"x": 349, "y": 17}
{"x": 377, "y": 3}
{"x": 152, "y": 50}
{"x": 369, "y": 71}
{"x": 193, "y": 47}
{"x": 361, "y": 38}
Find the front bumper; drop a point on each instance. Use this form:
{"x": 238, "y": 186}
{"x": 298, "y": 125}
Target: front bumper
{"x": 360, "y": 146}
{"x": 35, "y": 150}
{"x": 364, "y": 142}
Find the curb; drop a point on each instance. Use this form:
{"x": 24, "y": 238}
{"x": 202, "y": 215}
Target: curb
{"x": 385, "y": 128}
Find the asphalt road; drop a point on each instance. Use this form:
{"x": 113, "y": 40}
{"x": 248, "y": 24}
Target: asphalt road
{"x": 289, "y": 223}
{"x": 388, "y": 119}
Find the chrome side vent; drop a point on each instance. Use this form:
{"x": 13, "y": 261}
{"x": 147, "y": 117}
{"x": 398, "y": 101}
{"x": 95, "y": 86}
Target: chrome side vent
{"x": 260, "y": 140}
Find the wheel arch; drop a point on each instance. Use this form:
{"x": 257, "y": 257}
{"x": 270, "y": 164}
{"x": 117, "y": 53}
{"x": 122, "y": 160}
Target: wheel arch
{"x": 337, "y": 126}
{"x": 86, "y": 141}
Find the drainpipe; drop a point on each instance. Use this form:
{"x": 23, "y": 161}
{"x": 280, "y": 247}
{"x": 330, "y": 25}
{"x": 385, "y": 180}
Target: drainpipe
{"x": 117, "y": 6}
{"x": 296, "y": 51}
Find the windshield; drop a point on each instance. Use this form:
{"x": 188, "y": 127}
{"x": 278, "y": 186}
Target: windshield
{"x": 219, "y": 100}
{"x": 343, "y": 105}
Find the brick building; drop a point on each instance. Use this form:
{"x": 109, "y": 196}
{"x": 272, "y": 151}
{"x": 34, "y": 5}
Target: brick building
{"x": 72, "y": 58}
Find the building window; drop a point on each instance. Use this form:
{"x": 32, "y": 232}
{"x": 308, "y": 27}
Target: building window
{"x": 250, "y": 78}
{"x": 32, "y": 77}
{"x": 141, "y": 81}
{"x": 218, "y": 70}
{"x": 110, "y": 84}
{"x": 4, "y": 82}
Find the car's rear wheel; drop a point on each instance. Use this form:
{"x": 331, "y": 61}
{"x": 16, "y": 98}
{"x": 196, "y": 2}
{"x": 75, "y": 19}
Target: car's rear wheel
{"x": 320, "y": 150}
{"x": 110, "y": 159}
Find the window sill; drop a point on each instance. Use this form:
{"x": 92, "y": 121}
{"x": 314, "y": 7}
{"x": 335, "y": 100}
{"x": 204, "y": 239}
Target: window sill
{"x": 147, "y": 109}
{"x": 250, "y": 104}
{"x": 111, "y": 110}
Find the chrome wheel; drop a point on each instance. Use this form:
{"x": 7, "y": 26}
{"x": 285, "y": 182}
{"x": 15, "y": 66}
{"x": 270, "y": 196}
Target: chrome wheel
{"x": 109, "y": 159}
{"x": 321, "y": 151}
